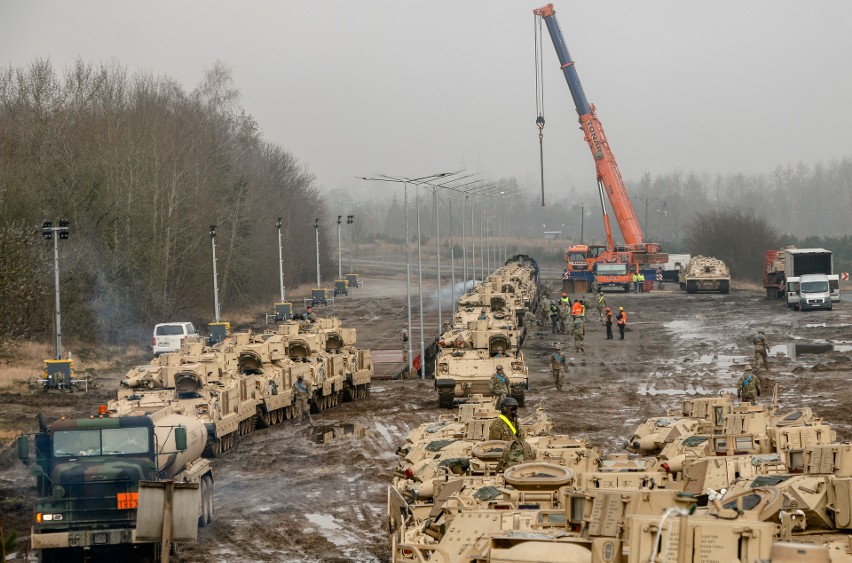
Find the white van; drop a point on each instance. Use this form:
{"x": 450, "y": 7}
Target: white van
{"x": 810, "y": 291}
{"x": 168, "y": 336}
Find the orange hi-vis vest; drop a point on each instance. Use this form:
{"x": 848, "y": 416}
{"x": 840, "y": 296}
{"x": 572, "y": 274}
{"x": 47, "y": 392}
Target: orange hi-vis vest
{"x": 623, "y": 319}
{"x": 577, "y": 309}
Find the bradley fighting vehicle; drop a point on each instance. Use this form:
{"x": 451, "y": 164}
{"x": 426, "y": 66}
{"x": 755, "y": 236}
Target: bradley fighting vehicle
{"x": 705, "y": 273}
{"x": 469, "y": 357}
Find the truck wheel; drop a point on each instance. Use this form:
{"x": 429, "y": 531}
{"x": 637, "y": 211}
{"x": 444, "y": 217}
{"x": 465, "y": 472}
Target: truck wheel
{"x": 210, "y": 491}
{"x": 691, "y": 287}
{"x": 724, "y": 286}
{"x": 205, "y": 493}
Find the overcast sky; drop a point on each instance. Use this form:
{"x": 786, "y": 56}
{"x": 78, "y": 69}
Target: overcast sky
{"x": 411, "y": 88}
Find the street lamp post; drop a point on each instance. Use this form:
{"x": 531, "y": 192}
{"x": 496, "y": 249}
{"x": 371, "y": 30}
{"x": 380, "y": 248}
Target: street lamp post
{"x": 582, "y": 221}
{"x": 316, "y": 229}
{"x": 350, "y": 219}
{"x": 280, "y": 259}
{"x": 339, "y": 260}
{"x": 415, "y": 182}
{"x": 216, "y": 315}
{"x": 48, "y": 232}
{"x": 464, "y": 243}
{"x": 410, "y": 343}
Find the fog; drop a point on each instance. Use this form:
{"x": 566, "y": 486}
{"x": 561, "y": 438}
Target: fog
{"x": 356, "y": 88}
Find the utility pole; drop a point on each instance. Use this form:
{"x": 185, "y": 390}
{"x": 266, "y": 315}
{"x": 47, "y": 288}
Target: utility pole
{"x": 216, "y": 316}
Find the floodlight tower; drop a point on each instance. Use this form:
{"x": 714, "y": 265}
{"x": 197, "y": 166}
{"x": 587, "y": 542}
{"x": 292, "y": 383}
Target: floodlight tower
{"x": 61, "y": 232}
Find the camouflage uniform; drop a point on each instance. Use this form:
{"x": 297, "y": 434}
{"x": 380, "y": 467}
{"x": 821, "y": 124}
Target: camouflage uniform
{"x": 528, "y": 323}
{"x": 403, "y": 335}
{"x": 601, "y": 304}
{"x": 499, "y": 430}
{"x": 517, "y": 451}
{"x": 760, "y": 351}
{"x": 499, "y": 385}
{"x": 579, "y": 335}
{"x": 564, "y": 313}
{"x": 557, "y": 367}
{"x": 748, "y": 386}
{"x": 302, "y": 403}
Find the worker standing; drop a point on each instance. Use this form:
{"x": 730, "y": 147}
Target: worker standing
{"x": 302, "y": 401}
{"x": 641, "y": 282}
{"x": 761, "y": 348}
{"x": 621, "y": 320}
{"x": 635, "y": 279}
{"x": 608, "y": 323}
{"x": 557, "y": 366}
{"x": 403, "y": 335}
{"x": 554, "y": 318}
{"x": 601, "y": 304}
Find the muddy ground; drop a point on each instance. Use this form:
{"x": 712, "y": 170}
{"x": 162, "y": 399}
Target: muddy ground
{"x": 318, "y": 494}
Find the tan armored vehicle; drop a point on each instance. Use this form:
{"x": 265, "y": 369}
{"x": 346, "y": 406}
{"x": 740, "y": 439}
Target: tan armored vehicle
{"x": 704, "y": 273}
{"x": 703, "y": 415}
{"x": 223, "y": 400}
{"x": 462, "y": 372}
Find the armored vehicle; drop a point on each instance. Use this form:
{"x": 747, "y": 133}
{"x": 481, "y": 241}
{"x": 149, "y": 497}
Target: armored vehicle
{"x": 705, "y": 273}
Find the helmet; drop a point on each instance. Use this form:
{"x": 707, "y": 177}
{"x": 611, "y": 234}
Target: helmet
{"x": 405, "y": 325}
{"x": 301, "y": 377}
{"x": 760, "y": 332}
{"x": 558, "y": 346}
{"x": 608, "y": 309}
{"x": 621, "y": 308}
{"x": 748, "y": 367}
{"x": 508, "y": 402}
{"x": 564, "y": 295}
{"x": 499, "y": 367}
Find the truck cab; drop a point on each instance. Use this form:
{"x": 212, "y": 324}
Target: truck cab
{"x": 811, "y": 291}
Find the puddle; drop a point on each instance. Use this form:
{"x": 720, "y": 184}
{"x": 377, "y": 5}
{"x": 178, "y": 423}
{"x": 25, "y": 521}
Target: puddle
{"x": 795, "y": 349}
{"x": 324, "y": 434}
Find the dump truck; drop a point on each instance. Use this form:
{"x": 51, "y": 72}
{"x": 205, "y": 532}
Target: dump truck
{"x": 88, "y": 472}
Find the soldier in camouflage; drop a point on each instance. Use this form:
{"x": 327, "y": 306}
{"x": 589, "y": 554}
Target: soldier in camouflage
{"x": 579, "y": 334}
{"x": 499, "y": 385}
{"x": 601, "y": 304}
{"x": 302, "y": 401}
{"x": 506, "y": 426}
{"x": 557, "y": 366}
{"x": 528, "y": 323}
{"x": 748, "y": 387}
{"x": 761, "y": 347}
{"x": 508, "y": 429}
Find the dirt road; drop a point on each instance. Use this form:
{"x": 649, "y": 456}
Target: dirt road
{"x": 318, "y": 494}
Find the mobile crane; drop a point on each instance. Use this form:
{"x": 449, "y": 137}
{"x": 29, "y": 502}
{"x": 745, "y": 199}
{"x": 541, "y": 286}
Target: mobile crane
{"x": 608, "y": 264}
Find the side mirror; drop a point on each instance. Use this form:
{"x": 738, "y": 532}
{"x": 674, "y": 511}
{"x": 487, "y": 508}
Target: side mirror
{"x": 180, "y": 438}
{"x": 23, "y": 443}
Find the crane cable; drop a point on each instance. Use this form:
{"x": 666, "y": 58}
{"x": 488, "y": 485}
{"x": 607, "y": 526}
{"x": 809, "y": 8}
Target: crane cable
{"x": 539, "y": 97}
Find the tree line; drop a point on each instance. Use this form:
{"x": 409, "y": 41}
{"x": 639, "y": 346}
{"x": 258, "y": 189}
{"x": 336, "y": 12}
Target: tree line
{"x": 141, "y": 168}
